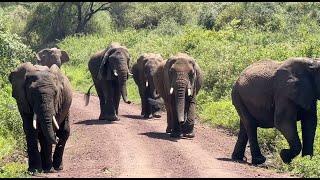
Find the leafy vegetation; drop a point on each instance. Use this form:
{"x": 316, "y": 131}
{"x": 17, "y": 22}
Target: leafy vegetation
{"x": 224, "y": 38}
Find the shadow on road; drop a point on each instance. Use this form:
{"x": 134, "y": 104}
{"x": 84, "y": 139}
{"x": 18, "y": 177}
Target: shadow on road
{"x": 159, "y": 135}
{"x": 94, "y": 121}
{"x": 138, "y": 117}
{"x": 231, "y": 160}
{"x": 134, "y": 116}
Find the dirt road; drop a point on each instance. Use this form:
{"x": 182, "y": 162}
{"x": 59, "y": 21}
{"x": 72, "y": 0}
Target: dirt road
{"x": 134, "y": 147}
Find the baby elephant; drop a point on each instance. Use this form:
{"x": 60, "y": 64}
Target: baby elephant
{"x": 272, "y": 94}
{"x": 44, "y": 98}
{"x": 143, "y": 72}
{"x": 178, "y": 81}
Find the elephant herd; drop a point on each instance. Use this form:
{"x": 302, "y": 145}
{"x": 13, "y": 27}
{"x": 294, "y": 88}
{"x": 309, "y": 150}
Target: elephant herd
{"x": 267, "y": 94}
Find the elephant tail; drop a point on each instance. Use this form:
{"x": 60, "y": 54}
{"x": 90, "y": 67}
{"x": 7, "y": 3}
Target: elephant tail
{"x": 87, "y": 96}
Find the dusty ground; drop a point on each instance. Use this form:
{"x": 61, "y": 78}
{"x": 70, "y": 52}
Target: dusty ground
{"x": 134, "y": 147}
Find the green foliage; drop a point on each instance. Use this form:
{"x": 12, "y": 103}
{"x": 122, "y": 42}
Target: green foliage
{"x": 12, "y": 53}
{"x": 14, "y": 170}
{"x": 224, "y": 38}
{"x": 149, "y": 15}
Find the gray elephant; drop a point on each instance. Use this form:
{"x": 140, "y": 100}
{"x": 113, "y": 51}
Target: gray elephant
{"x": 178, "y": 81}
{"x": 109, "y": 69}
{"x": 48, "y": 57}
{"x": 272, "y": 94}
{"x": 143, "y": 72}
{"x": 43, "y": 97}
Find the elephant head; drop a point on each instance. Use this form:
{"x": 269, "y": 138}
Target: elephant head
{"x": 115, "y": 66}
{"x": 184, "y": 79}
{"x": 48, "y": 57}
{"x": 37, "y": 90}
{"x": 150, "y": 66}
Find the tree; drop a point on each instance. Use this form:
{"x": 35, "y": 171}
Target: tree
{"x": 86, "y": 10}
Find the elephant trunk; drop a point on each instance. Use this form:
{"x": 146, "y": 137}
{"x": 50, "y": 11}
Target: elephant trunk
{"x": 44, "y": 116}
{"x": 46, "y": 124}
{"x": 180, "y": 103}
{"x": 123, "y": 86}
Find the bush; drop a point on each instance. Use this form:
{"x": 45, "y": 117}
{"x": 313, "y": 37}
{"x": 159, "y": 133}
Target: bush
{"x": 12, "y": 53}
{"x": 149, "y": 15}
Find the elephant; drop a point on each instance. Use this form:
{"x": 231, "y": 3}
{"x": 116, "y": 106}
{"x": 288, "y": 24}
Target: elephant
{"x": 43, "y": 97}
{"x": 271, "y": 94}
{"x": 178, "y": 81}
{"x": 109, "y": 69}
{"x": 48, "y": 57}
{"x": 143, "y": 72}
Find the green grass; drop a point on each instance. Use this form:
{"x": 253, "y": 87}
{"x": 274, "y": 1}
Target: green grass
{"x": 14, "y": 170}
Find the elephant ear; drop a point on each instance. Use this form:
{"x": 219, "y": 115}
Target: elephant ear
{"x": 104, "y": 63}
{"x": 135, "y": 73}
{"x": 64, "y": 57}
{"x": 159, "y": 81}
{"x": 17, "y": 79}
{"x": 198, "y": 78}
{"x": 42, "y": 56}
{"x": 59, "y": 84}
{"x": 299, "y": 89}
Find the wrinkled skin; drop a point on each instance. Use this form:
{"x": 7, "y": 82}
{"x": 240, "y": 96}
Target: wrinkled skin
{"x": 48, "y": 57}
{"x": 272, "y": 94}
{"x": 46, "y": 93}
{"x": 110, "y": 70}
{"x": 180, "y": 74}
{"x": 143, "y": 72}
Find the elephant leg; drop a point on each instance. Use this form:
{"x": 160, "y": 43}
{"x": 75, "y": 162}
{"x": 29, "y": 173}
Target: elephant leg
{"x": 101, "y": 99}
{"x": 188, "y": 126}
{"x": 249, "y": 123}
{"x": 175, "y": 125}
{"x": 63, "y": 135}
{"x": 108, "y": 92}
{"x": 155, "y": 109}
{"x": 46, "y": 153}
{"x": 257, "y": 157}
{"x": 240, "y": 147}
{"x": 308, "y": 125}
{"x": 34, "y": 158}
{"x": 143, "y": 110}
{"x": 285, "y": 122}
{"x": 169, "y": 127}
{"x": 147, "y": 106}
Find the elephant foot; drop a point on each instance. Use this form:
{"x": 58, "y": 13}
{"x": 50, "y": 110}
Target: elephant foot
{"x": 112, "y": 118}
{"x": 146, "y": 116}
{"x": 189, "y": 135}
{"x": 238, "y": 158}
{"x": 258, "y": 160}
{"x": 51, "y": 170}
{"x": 175, "y": 134}
{"x": 285, "y": 155}
{"x": 58, "y": 168}
{"x": 168, "y": 130}
{"x": 101, "y": 117}
{"x": 156, "y": 115}
{"x": 34, "y": 172}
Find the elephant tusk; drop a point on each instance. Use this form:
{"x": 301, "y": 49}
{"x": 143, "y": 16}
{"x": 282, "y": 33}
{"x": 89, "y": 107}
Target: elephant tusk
{"x": 171, "y": 90}
{"x": 115, "y": 72}
{"x": 147, "y": 84}
{"x": 55, "y": 122}
{"x": 189, "y": 92}
{"x": 34, "y": 122}
{"x": 130, "y": 74}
